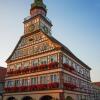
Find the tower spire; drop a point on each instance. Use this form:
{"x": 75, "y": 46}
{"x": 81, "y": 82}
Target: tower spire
{"x": 38, "y": 4}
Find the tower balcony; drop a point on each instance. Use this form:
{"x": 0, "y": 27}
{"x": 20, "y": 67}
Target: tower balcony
{"x": 30, "y": 17}
{"x": 29, "y": 70}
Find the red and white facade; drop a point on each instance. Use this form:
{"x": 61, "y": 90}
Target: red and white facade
{"x": 41, "y": 68}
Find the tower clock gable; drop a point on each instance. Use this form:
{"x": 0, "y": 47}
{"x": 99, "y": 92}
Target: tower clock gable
{"x": 37, "y": 34}
{"x": 37, "y": 19}
{"x": 37, "y": 23}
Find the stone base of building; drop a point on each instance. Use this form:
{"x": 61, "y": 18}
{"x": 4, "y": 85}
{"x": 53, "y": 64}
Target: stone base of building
{"x": 46, "y": 95}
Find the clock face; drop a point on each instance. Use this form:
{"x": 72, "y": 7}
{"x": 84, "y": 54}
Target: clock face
{"x": 45, "y": 29}
{"x": 31, "y": 28}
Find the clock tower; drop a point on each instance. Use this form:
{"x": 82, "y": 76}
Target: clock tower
{"x": 37, "y": 19}
{"x": 42, "y": 68}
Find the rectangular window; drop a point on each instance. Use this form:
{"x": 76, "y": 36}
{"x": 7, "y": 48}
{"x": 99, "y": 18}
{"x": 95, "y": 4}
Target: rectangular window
{"x": 77, "y": 67}
{"x": 82, "y": 71}
{"x": 17, "y": 82}
{"x": 65, "y": 60}
{"x": 53, "y": 78}
{"x": 10, "y": 83}
{"x": 24, "y": 82}
{"x": 35, "y": 62}
{"x": 70, "y": 62}
{"x": 43, "y": 60}
{"x": 34, "y": 81}
{"x": 74, "y": 80}
{"x": 43, "y": 80}
{"x": 65, "y": 78}
{"x": 53, "y": 58}
{"x": 69, "y": 79}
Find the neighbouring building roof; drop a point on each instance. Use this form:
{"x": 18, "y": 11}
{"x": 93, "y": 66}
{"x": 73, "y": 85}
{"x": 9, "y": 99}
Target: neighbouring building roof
{"x": 2, "y": 74}
{"x": 97, "y": 83}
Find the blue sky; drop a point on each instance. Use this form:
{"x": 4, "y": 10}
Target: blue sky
{"x": 76, "y": 23}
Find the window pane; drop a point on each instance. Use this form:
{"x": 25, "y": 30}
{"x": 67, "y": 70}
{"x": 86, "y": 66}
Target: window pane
{"x": 65, "y": 60}
{"x": 53, "y": 58}
{"x": 17, "y": 83}
{"x": 35, "y": 62}
{"x": 34, "y": 81}
{"x": 43, "y": 60}
{"x": 53, "y": 78}
{"x": 43, "y": 80}
{"x": 24, "y": 82}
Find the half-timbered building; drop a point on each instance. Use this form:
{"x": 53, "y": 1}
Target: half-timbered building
{"x": 42, "y": 68}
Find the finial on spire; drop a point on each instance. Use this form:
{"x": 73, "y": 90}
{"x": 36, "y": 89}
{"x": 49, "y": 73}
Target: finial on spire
{"x": 38, "y": 1}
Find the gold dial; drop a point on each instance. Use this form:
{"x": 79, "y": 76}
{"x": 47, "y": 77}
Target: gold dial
{"x": 31, "y": 28}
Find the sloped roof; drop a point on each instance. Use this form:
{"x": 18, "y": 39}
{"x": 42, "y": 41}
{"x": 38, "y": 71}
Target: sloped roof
{"x": 63, "y": 48}
{"x": 97, "y": 83}
{"x": 67, "y": 50}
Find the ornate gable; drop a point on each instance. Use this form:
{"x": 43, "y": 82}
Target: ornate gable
{"x": 31, "y": 45}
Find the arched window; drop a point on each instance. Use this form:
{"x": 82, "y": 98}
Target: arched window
{"x": 27, "y": 98}
{"x": 47, "y": 97}
{"x": 11, "y": 98}
{"x": 69, "y": 98}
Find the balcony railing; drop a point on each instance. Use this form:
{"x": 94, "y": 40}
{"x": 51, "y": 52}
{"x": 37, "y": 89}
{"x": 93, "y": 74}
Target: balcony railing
{"x": 49, "y": 86}
{"x": 70, "y": 86}
{"x": 38, "y": 87}
{"x": 72, "y": 70}
{"x": 29, "y": 17}
{"x": 43, "y": 67}
{"x": 69, "y": 68}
